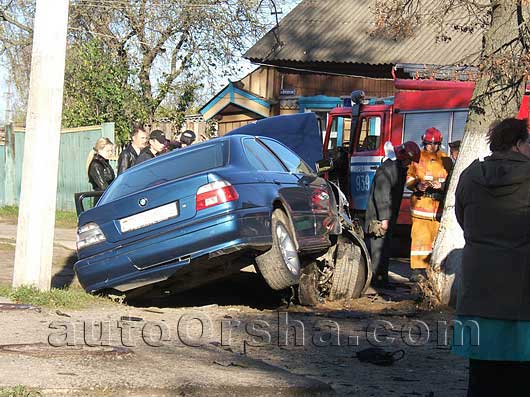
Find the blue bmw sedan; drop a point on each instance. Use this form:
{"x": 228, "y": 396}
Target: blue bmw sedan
{"x": 204, "y": 212}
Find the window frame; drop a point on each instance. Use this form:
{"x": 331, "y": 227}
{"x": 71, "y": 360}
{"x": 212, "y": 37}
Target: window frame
{"x": 354, "y": 148}
{"x": 246, "y": 149}
{"x": 262, "y": 141}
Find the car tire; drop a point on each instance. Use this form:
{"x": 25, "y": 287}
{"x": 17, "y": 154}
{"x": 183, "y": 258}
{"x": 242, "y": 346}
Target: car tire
{"x": 280, "y": 266}
{"x": 349, "y": 274}
{"x": 308, "y": 292}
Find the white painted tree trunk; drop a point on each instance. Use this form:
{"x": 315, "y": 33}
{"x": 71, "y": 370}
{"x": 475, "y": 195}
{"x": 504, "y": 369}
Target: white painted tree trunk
{"x": 497, "y": 95}
{"x": 446, "y": 256}
{"x": 36, "y": 219}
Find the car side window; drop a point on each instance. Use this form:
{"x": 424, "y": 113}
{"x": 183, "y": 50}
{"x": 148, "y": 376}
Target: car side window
{"x": 290, "y": 159}
{"x": 260, "y": 158}
{"x": 370, "y": 135}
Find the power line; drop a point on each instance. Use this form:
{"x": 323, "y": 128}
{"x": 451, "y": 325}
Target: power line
{"x": 116, "y": 3}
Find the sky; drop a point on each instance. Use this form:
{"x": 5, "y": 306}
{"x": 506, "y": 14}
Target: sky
{"x": 214, "y": 84}
{"x": 247, "y": 67}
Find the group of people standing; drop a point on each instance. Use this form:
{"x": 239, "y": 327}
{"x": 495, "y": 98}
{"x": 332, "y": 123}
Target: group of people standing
{"x": 143, "y": 146}
{"x": 425, "y": 173}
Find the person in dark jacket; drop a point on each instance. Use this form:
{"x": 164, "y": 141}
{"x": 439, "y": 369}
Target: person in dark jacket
{"x": 454, "y": 150}
{"x": 139, "y": 140}
{"x": 187, "y": 138}
{"x": 383, "y": 205}
{"x": 492, "y": 206}
{"x": 100, "y": 172}
{"x": 157, "y": 144}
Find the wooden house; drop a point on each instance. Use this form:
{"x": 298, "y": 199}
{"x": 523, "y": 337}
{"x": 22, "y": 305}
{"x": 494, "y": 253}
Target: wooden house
{"x": 322, "y": 51}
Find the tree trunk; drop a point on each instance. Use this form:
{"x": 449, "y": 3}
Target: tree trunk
{"x": 497, "y": 95}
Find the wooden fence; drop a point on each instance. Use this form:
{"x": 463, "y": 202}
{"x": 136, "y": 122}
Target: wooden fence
{"x": 76, "y": 143}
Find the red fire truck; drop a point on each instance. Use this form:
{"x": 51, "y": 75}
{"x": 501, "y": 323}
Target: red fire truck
{"x": 356, "y": 132}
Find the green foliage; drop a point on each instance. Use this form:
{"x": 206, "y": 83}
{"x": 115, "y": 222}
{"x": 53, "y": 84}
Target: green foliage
{"x": 70, "y": 298}
{"x": 9, "y": 211}
{"x": 18, "y": 391}
{"x": 174, "y": 109}
{"x": 65, "y": 219}
{"x": 97, "y": 90}
{"x": 130, "y": 61}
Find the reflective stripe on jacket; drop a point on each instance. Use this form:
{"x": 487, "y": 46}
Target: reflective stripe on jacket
{"x": 433, "y": 167}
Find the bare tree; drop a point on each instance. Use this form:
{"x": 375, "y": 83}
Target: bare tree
{"x": 163, "y": 43}
{"x": 503, "y": 68}
{"x": 15, "y": 45}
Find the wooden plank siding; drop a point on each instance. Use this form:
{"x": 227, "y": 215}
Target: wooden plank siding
{"x": 224, "y": 128}
{"x": 263, "y": 82}
{"x": 266, "y": 83}
{"x": 310, "y": 84}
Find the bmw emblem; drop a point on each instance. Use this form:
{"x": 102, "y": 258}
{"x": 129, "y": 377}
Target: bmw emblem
{"x": 142, "y": 202}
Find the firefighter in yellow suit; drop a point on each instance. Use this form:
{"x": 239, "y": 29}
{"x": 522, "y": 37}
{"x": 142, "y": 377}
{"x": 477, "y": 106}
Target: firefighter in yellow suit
{"x": 427, "y": 181}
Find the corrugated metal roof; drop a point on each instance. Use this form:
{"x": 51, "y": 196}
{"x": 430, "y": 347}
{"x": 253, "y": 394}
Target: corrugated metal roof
{"x": 339, "y": 31}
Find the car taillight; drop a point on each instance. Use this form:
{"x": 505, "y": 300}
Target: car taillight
{"x": 89, "y": 234}
{"x": 215, "y": 193}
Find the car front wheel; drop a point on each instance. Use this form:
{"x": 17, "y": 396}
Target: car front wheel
{"x": 280, "y": 266}
{"x": 340, "y": 274}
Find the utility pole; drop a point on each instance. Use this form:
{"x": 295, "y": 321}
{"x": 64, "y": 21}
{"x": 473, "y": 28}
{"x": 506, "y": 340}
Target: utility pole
{"x": 36, "y": 218}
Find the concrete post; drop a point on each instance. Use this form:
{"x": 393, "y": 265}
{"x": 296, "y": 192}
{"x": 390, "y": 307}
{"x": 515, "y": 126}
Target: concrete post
{"x": 34, "y": 250}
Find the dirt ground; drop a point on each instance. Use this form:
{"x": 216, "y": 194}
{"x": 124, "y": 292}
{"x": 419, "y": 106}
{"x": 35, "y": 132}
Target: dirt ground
{"x": 242, "y": 318}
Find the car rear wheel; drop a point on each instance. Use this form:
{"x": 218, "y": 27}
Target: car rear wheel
{"x": 280, "y": 266}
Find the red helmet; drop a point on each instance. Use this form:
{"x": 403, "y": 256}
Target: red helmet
{"x": 408, "y": 150}
{"x": 432, "y": 135}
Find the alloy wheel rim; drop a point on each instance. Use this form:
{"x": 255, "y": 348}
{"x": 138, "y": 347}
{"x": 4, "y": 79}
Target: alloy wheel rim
{"x": 287, "y": 249}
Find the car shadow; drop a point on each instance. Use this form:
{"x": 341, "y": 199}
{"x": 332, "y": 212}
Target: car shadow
{"x": 65, "y": 276}
{"x": 244, "y": 288}
{"x": 399, "y": 289}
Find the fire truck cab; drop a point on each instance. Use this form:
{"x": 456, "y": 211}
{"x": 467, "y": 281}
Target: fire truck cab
{"x": 357, "y": 131}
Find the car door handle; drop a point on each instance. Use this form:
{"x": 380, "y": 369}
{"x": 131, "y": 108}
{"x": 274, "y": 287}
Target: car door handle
{"x": 374, "y": 167}
{"x": 276, "y": 181}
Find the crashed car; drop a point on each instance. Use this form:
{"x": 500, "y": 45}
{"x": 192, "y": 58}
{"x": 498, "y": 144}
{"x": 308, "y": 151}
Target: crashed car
{"x": 344, "y": 270}
{"x": 205, "y": 212}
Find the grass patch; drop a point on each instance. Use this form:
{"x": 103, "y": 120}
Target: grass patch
{"x": 18, "y": 391}
{"x": 63, "y": 219}
{"x": 7, "y": 245}
{"x": 9, "y": 211}
{"x": 68, "y": 298}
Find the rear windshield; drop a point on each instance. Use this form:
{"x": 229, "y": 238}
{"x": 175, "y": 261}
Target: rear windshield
{"x": 169, "y": 167}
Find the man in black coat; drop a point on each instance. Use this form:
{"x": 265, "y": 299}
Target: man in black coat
{"x": 383, "y": 206}
{"x": 157, "y": 144}
{"x": 140, "y": 140}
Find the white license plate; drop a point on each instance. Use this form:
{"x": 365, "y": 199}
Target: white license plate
{"x": 150, "y": 217}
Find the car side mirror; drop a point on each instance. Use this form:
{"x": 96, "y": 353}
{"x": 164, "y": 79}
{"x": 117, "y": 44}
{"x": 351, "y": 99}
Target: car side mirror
{"x": 324, "y": 165}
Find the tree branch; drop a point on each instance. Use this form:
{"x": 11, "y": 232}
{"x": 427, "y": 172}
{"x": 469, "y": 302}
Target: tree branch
{"x": 174, "y": 73}
{"x": 4, "y": 16}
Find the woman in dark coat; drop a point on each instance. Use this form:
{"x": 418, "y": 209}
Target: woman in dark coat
{"x": 100, "y": 172}
{"x": 493, "y": 304}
